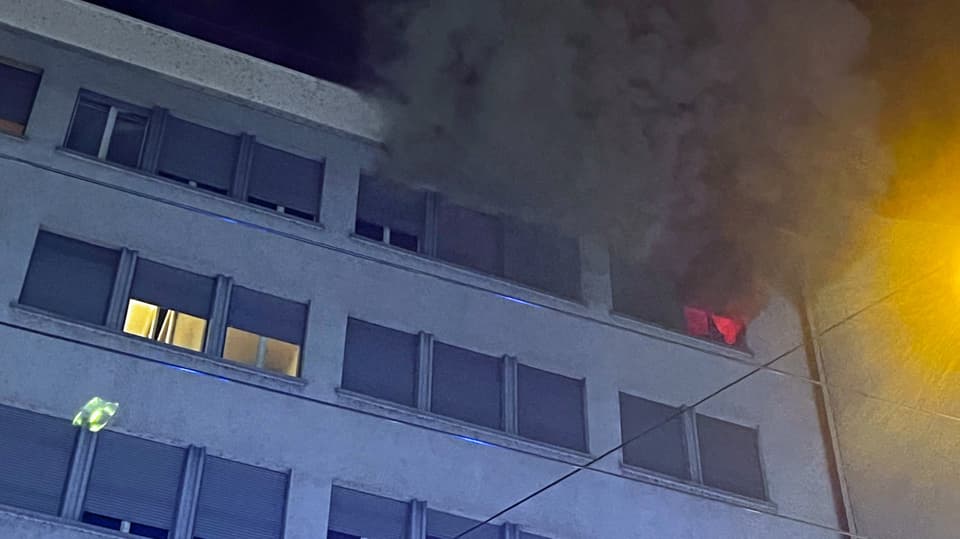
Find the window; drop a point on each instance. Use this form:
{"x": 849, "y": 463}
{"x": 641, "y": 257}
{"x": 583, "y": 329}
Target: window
{"x": 391, "y": 213}
{"x": 285, "y": 182}
{"x": 550, "y": 408}
{"x": 169, "y": 305}
{"x": 355, "y": 515}
{"x": 70, "y": 278}
{"x": 540, "y": 257}
{"x": 442, "y": 525}
{"x": 198, "y": 156}
{"x": 470, "y": 238}
{"x": 265, "y": 331}
{"x": 381, "y": 362}
{"x": 134, "y": 485}
{"x": 467, "y": 385}
{"x": 238, "y": 501}
{"x": 35, "y": 455}
{"x": 108, "y": 129}
{"x": 730, "y": 457}
{"x": 662, "y": 449}
{"x": 18, "y": 88}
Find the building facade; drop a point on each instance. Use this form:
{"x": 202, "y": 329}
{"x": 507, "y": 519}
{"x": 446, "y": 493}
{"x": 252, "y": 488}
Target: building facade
{"x": 300, "y": 349}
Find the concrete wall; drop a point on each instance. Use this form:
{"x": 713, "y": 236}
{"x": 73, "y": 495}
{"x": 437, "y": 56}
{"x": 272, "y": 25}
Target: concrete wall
{"x": 52, "y": 365}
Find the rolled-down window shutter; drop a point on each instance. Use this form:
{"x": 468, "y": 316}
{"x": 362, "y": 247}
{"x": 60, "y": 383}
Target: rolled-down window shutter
{"x": 238, "y": 501}
{"x": 267, "y": 315}
{"x": 193, "y": 152}
{"x": 550, "y": 408}
{"x": 540, "y": 256}
{"x": 18, "y": 87}
{"x": 470, "y": 238}
{"x": 135, "y": 480}
{"x": 70, "y": 278}
{"x": 390, "y": 204}
{"x": 662, "y": 449}
{"x": 35, "y": 453}
{"x": 284, "y": 179}
{"x": 172, "y": 288}
{"x": 365, "y": 515}
{"x": 446, "y": 526}
{"x": 730, "y": 456}
{"x": 380, "y": 362}
{"x": 467, "y": 385}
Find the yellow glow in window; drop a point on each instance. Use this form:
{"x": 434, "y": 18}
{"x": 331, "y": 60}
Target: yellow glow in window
{"x": 164, "y": 325}
{"x": 261, "y": 352}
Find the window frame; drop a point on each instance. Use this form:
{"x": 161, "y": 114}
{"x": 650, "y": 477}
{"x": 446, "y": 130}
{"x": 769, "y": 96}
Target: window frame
{"x": 15, "y": 64}
{"x": 114, "y": 108}
{"x": 691, "y": 446}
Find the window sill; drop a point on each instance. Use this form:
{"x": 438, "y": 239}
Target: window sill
{"x": 5, "y": 135}
{"x": 186, "y": 189}
{"x": 461, "y": 429}
{"x": 140, "y": 348}
{"x": 697, "y": 489}
{"x": 677, "y": 337}
{"x": 41, "y": 519}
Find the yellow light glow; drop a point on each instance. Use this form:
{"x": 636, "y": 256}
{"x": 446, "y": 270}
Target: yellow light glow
{"x": 176, "y": 328}
{"x": 261, "y": 352}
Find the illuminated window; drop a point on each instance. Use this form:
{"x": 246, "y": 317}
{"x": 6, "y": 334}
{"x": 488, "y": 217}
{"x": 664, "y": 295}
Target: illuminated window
{"x": 108, "y": 129}
{"x": 18, "y": 87}
{"x": 169, "y": 305}
{"x": 265, "y": 331}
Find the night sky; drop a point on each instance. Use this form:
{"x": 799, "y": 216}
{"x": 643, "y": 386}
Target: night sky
{"x": 324, "y": 38}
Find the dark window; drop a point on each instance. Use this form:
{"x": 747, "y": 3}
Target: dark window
{"x": 381, "y": 362}
{"x": 136, "y": 481}
{"x": 355, "y": 514}
{"x": 467, "y": 385}
{"x": 470, "y": 238}
{"x": 108, "y": 129}
{"x": 198, "y": 155}
{"x": 539, "y": 256}
{"x": 287, "y": 182}
{"x": 35, "y": 454}
{"x": 390, "y": 212}
{"x": 730, "y": 457}
{"x": 662, "y": 449}
{"x": 550, "y": 408}
{"x": 18, "y": 88}
{"x": 642, "y": 292}
{"x": 169, "y": 305}
{"x": 265, "y": 331}
{"x": 70, "y": 278}
{"x": 446, "y": 526}
{"x": 238, "y": 501}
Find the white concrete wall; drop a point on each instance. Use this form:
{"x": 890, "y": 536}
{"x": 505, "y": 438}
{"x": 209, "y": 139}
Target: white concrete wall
{"x": 284, "y": 425}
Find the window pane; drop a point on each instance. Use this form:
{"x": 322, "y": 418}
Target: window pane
{"x": 730, "y": 457}
{"x": 191, "y": 152}
{"x": 662, "y": 449}
{"x": 70, "y": 278}
{"x": 261, "y": 352}
{"x": 442, "y": 525}
{"x": 86, "y": 130}
{"x": 18, "y": 87}
{"x": 265, "y": 331}
{"x": 541, "y": 257}
{"x": 467, "y": 385}
{"x": 357, "y": 514}
{"x": 238, "y": 501}
{"x": 135, "y": 480}
{"x": 35, "y": 453}
{"x": 470, "y": 238}
{"x": 550, "y": 408}
{"x": 381, "y": 362}
{"x": 387, "y": 204}
{"x": 127, "y": 139}
{"x": 279, "y": 178}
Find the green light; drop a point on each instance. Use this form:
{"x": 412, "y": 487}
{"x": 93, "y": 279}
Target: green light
{"x": 95, "y": 414}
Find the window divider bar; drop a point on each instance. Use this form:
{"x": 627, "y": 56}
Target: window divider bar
{"x": 430, "y": 230}
{"x": 425, "y": 371}
{"x": 107, "y": 133}
{"x": 417, "y": 521}
{"x": 150, "y": 161}
{"x": 692, "y": 443}
{"x": 189, "y": 494}
{"x": 80, "y": 464}
{"x": 510, "y": 412}
{"x": 122, "y": 282}
{"x": 217, "y": 325}
{"x": 241, "y": 174}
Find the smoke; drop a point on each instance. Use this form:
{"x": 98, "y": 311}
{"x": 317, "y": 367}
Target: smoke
{"x": 725, "y": 143}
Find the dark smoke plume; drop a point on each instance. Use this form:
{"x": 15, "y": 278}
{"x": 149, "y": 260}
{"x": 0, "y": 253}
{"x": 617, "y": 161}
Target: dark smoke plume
{"x": 726, "y": 143}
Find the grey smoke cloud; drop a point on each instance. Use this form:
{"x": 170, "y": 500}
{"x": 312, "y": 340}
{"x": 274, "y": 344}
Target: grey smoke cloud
{"x": 725, "y": 142}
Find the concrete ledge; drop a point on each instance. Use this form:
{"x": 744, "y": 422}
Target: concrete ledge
{"x": 196, "y": 62}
